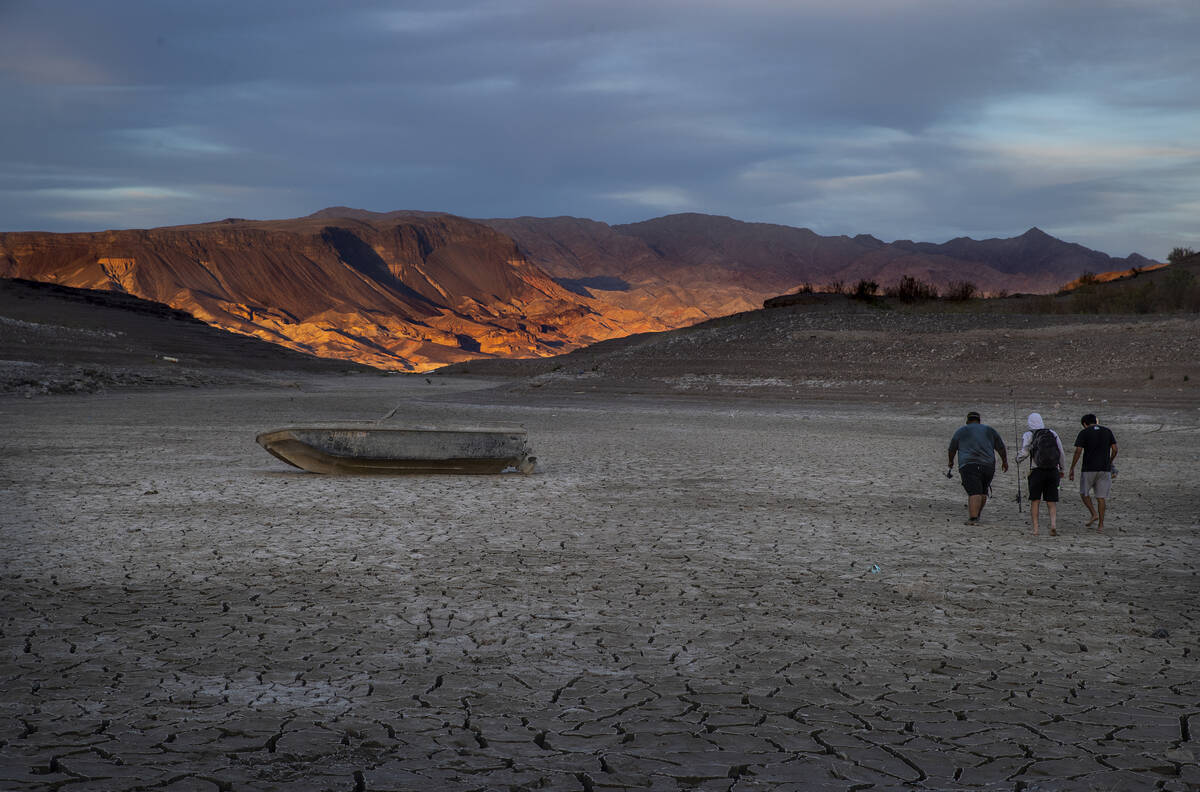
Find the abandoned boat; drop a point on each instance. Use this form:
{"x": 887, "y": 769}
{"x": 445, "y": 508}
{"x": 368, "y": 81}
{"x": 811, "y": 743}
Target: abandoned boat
{"x": 374, "y": 448}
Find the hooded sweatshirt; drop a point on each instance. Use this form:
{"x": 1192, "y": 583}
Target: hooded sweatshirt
{"x": 1035, "y": 422}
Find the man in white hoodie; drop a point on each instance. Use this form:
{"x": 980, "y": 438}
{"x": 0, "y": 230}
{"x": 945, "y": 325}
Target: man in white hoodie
{"x": 1044, "y": 449}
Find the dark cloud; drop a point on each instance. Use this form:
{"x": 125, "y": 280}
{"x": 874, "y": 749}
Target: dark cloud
{"x": 926, "y": 119}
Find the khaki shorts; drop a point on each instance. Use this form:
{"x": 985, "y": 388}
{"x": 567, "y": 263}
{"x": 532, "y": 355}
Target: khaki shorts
{"x": 1098, "y": 480}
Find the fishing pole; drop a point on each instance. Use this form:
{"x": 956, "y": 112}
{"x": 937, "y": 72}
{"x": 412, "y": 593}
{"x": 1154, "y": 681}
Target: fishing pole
{"x": 1016, "y": 447}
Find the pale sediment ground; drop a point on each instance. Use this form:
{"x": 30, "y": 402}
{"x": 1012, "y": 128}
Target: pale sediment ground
{"x": 868, "y": 355}
{"x": 692, "y": 593}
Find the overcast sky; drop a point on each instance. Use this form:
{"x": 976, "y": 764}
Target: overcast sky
{"x": 906, "y": 119}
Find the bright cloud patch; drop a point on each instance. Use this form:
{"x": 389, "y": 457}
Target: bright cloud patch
{"x": 665, "y": 199}
{"x": 169, "y": 140}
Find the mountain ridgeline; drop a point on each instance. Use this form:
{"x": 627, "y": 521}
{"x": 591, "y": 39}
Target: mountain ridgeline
{"x": 404, "y": 291}
{"x": 412, "y": 291}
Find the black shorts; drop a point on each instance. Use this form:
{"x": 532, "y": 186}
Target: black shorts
{"x": 976, "y": 478}
{"x": 1043, "y": 484}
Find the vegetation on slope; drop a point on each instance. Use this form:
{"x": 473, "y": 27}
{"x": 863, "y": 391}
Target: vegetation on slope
{"x": 1170, "y": 288}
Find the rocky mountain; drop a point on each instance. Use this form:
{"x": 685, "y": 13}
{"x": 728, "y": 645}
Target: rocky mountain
{"x": 416, "y": 290}
{"x": 403, "y": 290}
{"x": 681, "y": 269}
{"x": 717, "y": 265}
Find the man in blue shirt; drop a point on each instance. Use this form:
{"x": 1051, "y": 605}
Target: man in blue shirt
{"x": 976, "y": 445}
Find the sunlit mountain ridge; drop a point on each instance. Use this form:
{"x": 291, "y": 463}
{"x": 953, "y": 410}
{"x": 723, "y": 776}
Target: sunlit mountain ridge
{"x": 412, "y": 291}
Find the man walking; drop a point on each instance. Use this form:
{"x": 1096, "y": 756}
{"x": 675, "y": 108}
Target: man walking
{"x": 1098, "y": 446}
{"x": 1047, "y": 458}
{"x": 976, "y": 445}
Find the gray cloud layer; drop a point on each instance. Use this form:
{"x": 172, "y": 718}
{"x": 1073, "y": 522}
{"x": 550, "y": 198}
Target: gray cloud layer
{"x": 922, "y": 119}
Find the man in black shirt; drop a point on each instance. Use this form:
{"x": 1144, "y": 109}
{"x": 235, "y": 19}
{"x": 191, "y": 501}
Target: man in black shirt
{"x": 1099, "y": 448}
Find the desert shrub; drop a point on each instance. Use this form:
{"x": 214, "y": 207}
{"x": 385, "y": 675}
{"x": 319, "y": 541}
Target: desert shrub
{"x": 1181, "y": 289}
{"x": 1126, "y": 298}
{"x": 865, "y": 289}
{"x": 1087, "y": 278}
{"x": 1178, "y": 290}
{"x": 961, "y": 291}
{"x": 910, "y": 289}
{"x": 1086, "y": 299}
{"x": 1179, "y": 280}
{"x": 837, "y": 287}
{"x": 807, "y": 288}
{"x": 1142, "y": 299}
{"x": 1191, "y": 300}
{"x": 1179, "y": 254}
{"x": 1045, "y": 304}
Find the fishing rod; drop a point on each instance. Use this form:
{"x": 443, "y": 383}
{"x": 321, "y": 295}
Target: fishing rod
{"x": 1016, "y": 447}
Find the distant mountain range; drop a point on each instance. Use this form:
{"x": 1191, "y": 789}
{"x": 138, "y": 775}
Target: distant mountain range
{"x": 718, "y": 263}
{"x": 416, "y": 290}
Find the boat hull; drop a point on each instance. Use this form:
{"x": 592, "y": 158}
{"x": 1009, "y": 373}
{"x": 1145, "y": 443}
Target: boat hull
{"x": 372, "y": 449}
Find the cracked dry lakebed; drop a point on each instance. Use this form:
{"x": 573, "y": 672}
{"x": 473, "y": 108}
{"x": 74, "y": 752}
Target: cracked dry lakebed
{"x": 689, "y": 594}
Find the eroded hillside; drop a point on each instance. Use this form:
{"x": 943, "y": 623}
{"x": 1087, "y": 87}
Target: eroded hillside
{"x": 404, "y": 291}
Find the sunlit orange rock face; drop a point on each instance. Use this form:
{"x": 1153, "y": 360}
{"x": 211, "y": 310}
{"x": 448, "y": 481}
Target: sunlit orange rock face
{"x": 406, "y": 291}
{"x": 413, "y": 291}
{"x": 1108, "y": 277}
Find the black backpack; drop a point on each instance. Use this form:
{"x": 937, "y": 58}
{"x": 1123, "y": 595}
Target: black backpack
{"x": 1043, "y": 449}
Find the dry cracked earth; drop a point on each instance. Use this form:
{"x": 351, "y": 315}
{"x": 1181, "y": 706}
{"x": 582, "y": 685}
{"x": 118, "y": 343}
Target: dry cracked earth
{"x": 690, "y": 594}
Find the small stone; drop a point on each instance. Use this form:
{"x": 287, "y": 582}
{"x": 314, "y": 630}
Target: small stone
{"x": 1181, "y": 755}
